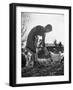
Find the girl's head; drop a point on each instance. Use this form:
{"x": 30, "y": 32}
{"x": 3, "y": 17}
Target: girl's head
{"x": 48, "y": 28}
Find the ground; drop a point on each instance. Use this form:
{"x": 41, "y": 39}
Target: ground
{"x": 50, "y": 69}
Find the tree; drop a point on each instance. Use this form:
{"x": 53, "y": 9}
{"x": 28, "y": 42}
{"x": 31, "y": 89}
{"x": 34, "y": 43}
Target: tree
{"x": 55, "y": 42}
{"x": 60, "y": 44}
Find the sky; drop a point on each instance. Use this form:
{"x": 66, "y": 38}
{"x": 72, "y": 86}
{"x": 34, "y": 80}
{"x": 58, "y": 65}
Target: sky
{"x": 30, "y": 20}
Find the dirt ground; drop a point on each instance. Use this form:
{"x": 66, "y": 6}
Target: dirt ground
{"x": 50, "y": 69}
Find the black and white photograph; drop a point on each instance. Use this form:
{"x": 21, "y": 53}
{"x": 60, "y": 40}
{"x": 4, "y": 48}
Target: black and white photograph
{"x": 40, "y": 44}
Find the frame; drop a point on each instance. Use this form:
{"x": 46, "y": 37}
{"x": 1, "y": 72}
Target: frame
{"x": 28, "y": 65}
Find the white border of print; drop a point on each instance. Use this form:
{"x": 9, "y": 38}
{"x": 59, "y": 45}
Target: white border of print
{"x": 65, "y": 77}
